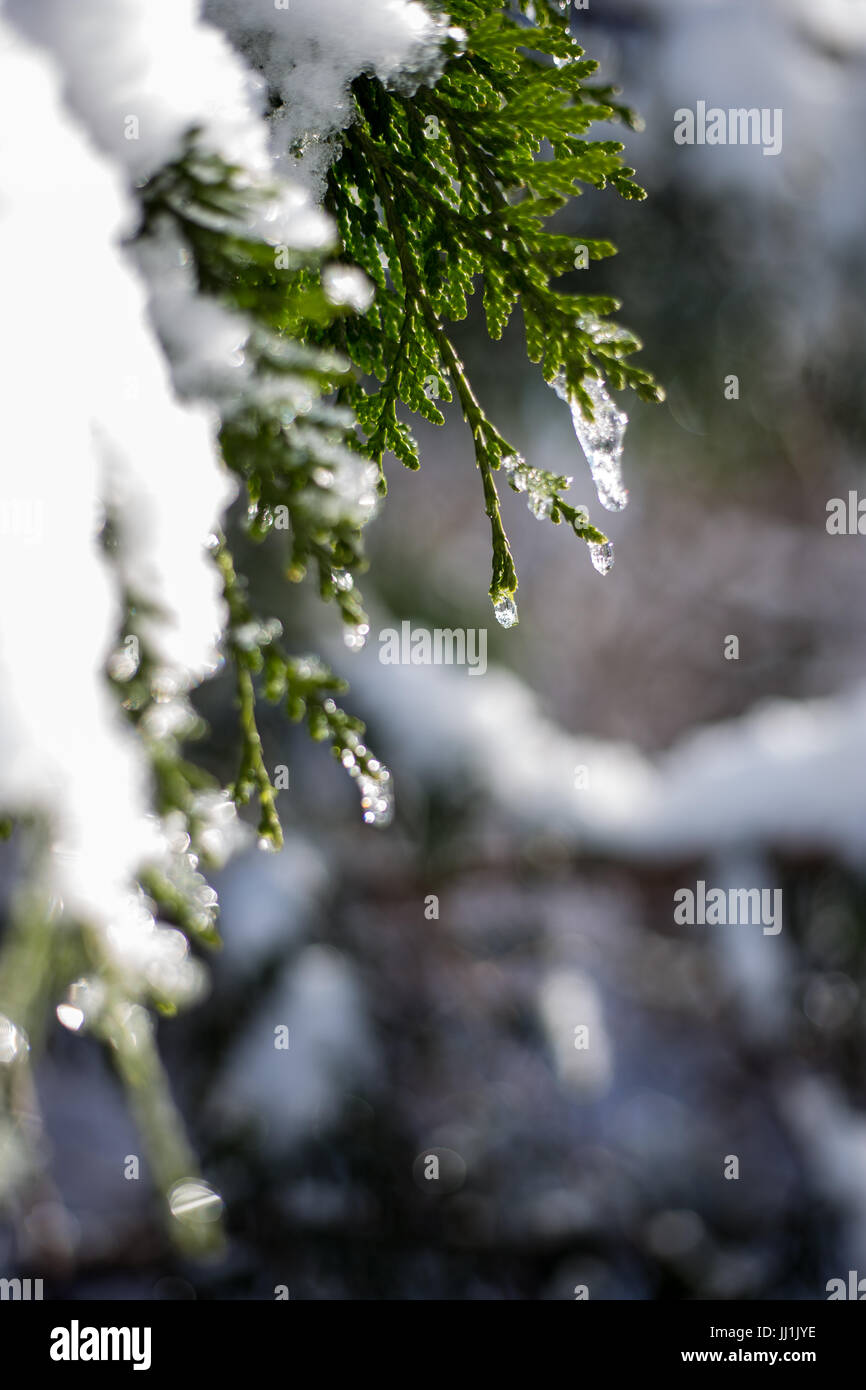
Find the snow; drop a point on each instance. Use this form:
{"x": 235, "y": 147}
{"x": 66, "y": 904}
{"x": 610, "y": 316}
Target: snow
{"x": 59, "y": 631}
{"x": 154, "y": 63}
{"x": 330, "y": 1050}
{"x": 84, "y": 443}
{"x": 568, "y": 1000}
{"x": 345, "y": 284}
{"x": 310, "y": 50}
{"x": 140, "y": 75}
{"x": 833, "y": 1136}
{"x": 205, "y": 340}
{"x": 783, "y": 776}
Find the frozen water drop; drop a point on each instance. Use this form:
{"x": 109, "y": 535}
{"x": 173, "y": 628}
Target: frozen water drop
{"x": 377, "y": 801}
{"x": 13, "y": 1043}
{"x": 70, "y": 1017}
{"x": 515, "y": 466}
{"x": 83, "y": 1004}
{"x": 193, "y": 1200}
{"x": 601, "y": 439}
{"x": 356, "y": 637}
{"x": 602, "y": 556}
{"x": 123, "y": 663}
{"x": 505, "y": 610}
{"x": 539, "y": 504}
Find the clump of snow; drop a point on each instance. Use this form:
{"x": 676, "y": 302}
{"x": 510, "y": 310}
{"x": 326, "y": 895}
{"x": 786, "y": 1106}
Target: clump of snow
{"x": 104, "y": 435}
{"x": 310, "y": 50}
{"x": 141, "y": 73}
{"x": 345, "y": 284}
{"x": 204, "y": 339}
{"x": 63, "y": 749}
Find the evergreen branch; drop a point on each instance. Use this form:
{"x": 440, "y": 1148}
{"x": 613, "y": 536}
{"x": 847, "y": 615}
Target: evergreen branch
{"x": 306, "y": 687}
{"x": 487, "y": 441}
{"x": 489, "y": 446}
{"x": 435, "y": 191}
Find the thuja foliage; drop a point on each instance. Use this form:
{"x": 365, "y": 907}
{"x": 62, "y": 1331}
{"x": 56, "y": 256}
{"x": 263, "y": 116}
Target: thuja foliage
{"x": 285, "y": 439}
{"x": 448, "y": 190}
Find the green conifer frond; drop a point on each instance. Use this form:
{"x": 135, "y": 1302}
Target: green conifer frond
{"x": 452, "y": 185}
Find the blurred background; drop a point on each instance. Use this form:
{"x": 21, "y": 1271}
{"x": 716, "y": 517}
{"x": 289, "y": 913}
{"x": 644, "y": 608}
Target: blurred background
{"x": 432, "y": 975}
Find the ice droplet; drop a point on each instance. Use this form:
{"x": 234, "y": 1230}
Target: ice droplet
{"x": 539, "y": 504}
{"x": 532, "y": 482}
{"x": 600, "y": 439}
{"x": 515, "y": 466}
{"x": 355, "y": 637}
{"x": 505, "y": 610}
{"x": 601, "y": 555}
{"x": 83, "y": 1003}
{"x": 70, "y": 1017}
{"x": 193, "y": 1200}
{"x": 377, "y": 798}
{"x": 13, "y": 1043}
